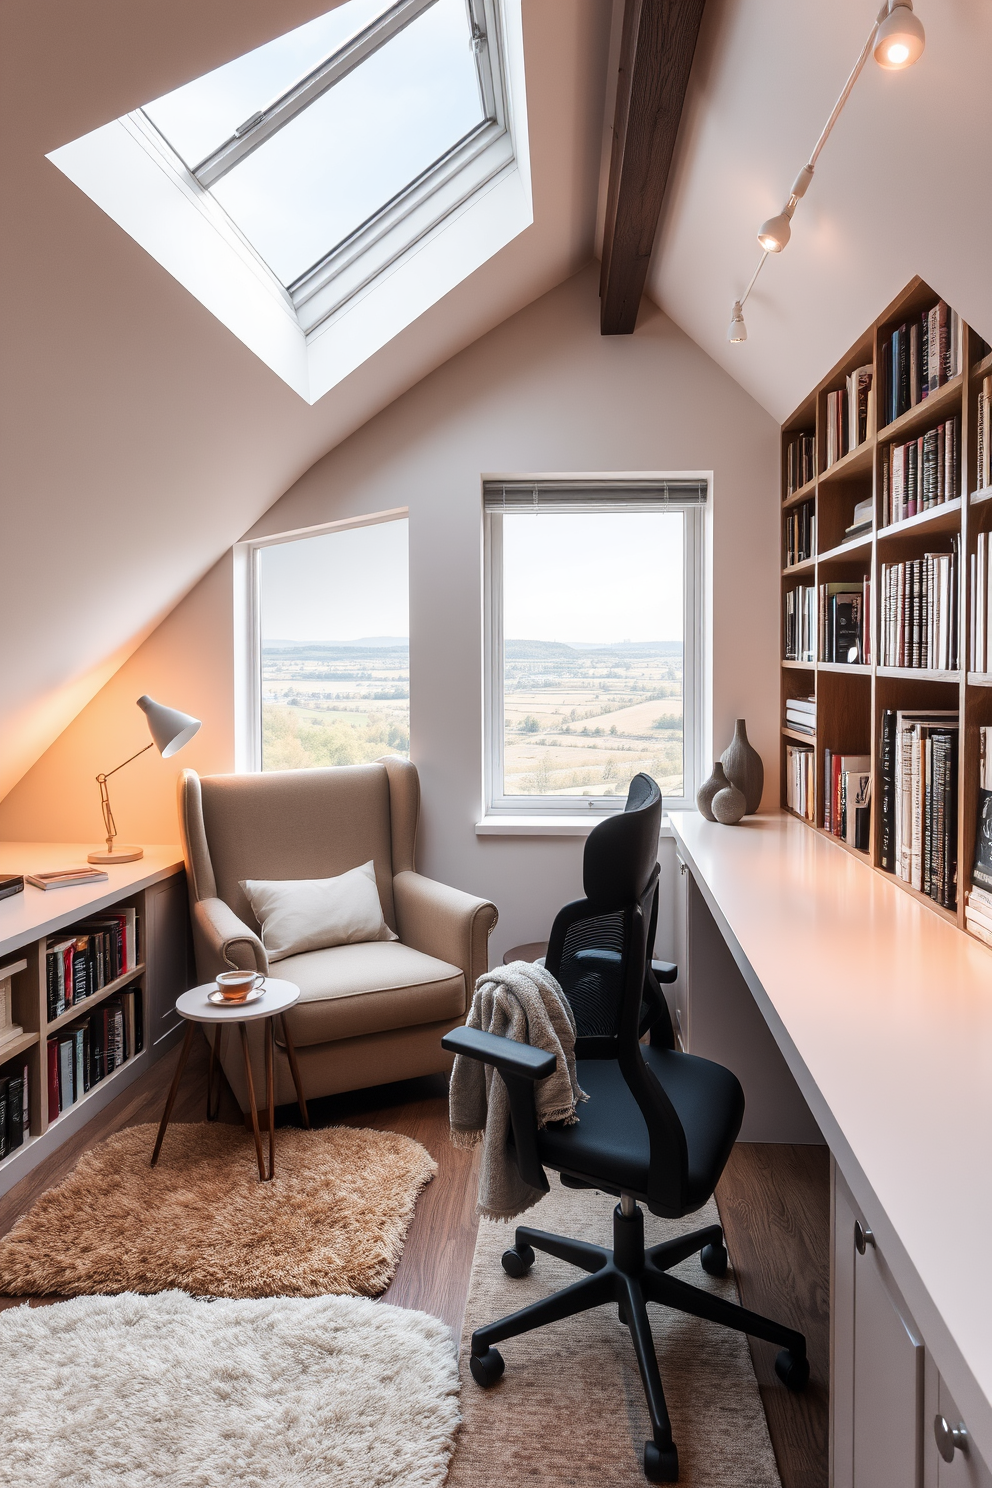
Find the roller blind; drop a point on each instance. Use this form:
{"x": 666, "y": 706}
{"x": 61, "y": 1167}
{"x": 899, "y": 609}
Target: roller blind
{"x": 592, "y": 496}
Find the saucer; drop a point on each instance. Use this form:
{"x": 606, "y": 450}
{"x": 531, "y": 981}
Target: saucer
{"x": 219, "y": 1000}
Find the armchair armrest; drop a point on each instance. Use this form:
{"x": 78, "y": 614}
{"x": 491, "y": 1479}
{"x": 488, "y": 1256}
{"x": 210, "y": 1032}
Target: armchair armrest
{"x": 504, "y": 1054}
{"x": 224, "y": 940}
{"x": 444, "y": 922}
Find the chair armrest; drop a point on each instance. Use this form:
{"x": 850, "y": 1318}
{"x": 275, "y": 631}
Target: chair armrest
{"x": 504, "y": 1054}
{"x": 665, "y": 971}
{"x": 224, "y": 941}
{"x": 444, "y": 922}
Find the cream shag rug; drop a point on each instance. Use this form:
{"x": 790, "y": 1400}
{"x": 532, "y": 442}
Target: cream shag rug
{"x": 570, "y": 1408}
{"x": 131, "y": 1392}
{"x": 333, "y": 1219}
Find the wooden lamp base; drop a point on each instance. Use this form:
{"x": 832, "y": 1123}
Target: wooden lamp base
{"x": 119, "y": 855}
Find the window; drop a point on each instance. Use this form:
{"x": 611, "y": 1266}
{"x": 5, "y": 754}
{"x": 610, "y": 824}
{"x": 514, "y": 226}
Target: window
{"x": 332, "y": 651}
{"x": 593, "y": 645}
{"x": 316, "y": 164}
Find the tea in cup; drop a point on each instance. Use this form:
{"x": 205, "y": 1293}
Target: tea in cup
{"x": 235, "y": 985}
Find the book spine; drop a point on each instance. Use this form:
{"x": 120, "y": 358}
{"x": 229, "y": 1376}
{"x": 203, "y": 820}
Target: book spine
{"x": 887, "y": 812}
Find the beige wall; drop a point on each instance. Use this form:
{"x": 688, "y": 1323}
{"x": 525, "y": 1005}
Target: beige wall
{"x": 543, "y": 392}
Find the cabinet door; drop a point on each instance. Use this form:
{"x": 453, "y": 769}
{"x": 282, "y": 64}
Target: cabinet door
{"x": 966, "y": 1470}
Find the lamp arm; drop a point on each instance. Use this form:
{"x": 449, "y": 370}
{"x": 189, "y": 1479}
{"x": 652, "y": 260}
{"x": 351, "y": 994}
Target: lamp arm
{"x": 102, "y": 776}
{"x": 110, "y": 826}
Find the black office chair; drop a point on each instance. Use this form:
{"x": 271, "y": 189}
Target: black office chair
{"x": 658, "y": 1127}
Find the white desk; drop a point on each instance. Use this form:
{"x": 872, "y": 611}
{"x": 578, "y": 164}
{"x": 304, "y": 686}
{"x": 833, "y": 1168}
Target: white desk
{"x": 883, "y": 1013}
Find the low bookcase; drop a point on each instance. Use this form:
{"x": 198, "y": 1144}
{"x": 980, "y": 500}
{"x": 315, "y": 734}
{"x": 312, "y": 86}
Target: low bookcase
{"x": 154, "y": 888}
{"x": 837, "y": 532}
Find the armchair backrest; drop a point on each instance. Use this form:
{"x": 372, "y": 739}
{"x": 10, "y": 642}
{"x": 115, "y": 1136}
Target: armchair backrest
{"x": 298, "y": 824}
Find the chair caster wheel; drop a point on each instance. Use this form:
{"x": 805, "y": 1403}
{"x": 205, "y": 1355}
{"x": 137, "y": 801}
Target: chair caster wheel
{"x": 518, "y": 1262}
{"x": 714, "y": 1260}
{"x": 487, "y": 1368}
{"x": 661, "y": 1464}
{"x": 792, "y": 1371}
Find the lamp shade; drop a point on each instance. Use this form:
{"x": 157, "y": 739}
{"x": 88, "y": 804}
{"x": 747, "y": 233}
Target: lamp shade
{"x": 169, "y": 728}
{"x": 900, "y": 39}
{"x": 775, "y": 233}
{"x": 738, "y": 330}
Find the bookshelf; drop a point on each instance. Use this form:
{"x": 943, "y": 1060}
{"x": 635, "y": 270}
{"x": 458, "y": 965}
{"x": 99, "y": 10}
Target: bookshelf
{"x": 851, "y": 699}
{"x": 155, "y": 888}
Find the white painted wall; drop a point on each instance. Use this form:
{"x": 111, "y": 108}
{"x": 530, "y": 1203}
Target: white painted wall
{"x": 544, "y": 391}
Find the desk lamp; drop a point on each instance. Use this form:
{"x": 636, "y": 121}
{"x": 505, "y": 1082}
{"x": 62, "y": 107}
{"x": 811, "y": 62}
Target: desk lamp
{"x": 170, "y": 730}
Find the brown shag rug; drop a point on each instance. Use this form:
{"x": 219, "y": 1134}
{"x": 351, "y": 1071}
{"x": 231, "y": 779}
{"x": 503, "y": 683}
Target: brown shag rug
{"x": 333, "y": 1219}
{"x": 570, "y": 1408}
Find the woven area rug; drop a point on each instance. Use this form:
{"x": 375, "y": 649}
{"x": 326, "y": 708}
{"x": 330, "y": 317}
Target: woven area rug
{"x": 131, "y": 1392}
{"x": 333, "y": 1219}
{"x": 570, "y": 1409}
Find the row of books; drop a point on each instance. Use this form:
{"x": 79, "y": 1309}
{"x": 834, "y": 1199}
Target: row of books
{"x": 919, "y": 612}
{"x": 800, "y": 462}
{"x": 984, "y": 462}
{"x": 919, "y": 357}
{"x": 800, "y": 784}
{"x": 978, "y": 901}
{"x": 979, "y": 658}
{"x": 847, "y": 797}
{"x": 14, "y": 1118}
{"x": 800, "y": 534}
{"x": 848, "y": 415}
{"x": 800, "y": 623}
{"x": 918, "y": 809}
{"x": 800, "y": 714}
{"x": 844, "y": 616}
{"x": 923, "y": 473}
{"x": 83, "y": 1054}
{"x": 83, "y": 960}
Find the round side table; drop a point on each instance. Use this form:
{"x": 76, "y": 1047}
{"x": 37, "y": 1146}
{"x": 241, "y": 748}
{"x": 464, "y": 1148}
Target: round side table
{"x": 532, "y": 951}
{"x": 276, "y": 999}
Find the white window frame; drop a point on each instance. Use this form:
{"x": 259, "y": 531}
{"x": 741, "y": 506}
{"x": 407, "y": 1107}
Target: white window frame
{"x": 497, "y": 804}
{"x": 248, "y": 627}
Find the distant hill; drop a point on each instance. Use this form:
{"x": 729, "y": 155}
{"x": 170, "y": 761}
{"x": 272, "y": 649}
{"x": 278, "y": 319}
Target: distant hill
{"x": 566, "y": 651}
{"x": 313, "y": 650}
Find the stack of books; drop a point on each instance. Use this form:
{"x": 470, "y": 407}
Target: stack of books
{"x": 981, "y": 600}
{"x": 800, "y": 785}
{"x": 919, "y": 357}
{"x": 919, "y": 812}
{"x": 848, "y": 421}
{"x": 800, "y": 623}
{"x": 800, "y": 714}
{"x": 919, "y": 612}
{"x": 800, "y": 464}
{"x": 847, "y": 797}
{"x": 978, "y": 902}
{"x": 861, "y": 520}
{"x": 800, "y": 534}
{"x": 984, "y": 462}
{"x": 14, "y": 1120}
{"x": 844, "y": 622}
{"x": 921, "y": 474}
{"x": 83, "y": 960}
{"x": 91, "y": 1048}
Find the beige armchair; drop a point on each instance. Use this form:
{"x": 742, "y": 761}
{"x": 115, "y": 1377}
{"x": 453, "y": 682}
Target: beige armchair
{"x": 368, "y": 1013}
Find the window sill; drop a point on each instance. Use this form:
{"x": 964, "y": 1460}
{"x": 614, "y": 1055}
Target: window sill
{"x": 549, "y": 826}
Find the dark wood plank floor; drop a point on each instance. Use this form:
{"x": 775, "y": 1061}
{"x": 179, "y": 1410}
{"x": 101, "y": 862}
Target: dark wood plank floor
{"x": 773, "y": 1200}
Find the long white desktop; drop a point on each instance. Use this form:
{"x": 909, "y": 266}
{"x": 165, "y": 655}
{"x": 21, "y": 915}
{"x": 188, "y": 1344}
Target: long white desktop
{"x": 836, "y": 996}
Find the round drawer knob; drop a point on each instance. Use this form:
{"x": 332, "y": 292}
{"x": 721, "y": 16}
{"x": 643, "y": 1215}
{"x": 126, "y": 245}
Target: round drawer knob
{"x": 949, "y": 1439}
{"x": 863, "y": 1237}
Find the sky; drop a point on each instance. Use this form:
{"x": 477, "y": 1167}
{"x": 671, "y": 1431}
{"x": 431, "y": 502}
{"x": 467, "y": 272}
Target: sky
{"x": 340, "y": 586}
{"x": 593, "y": 578}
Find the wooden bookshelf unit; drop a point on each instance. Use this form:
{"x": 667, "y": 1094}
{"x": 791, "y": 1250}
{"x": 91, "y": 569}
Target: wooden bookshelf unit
{"x": 851, "y": 699}
{"x": 155, "y": 887}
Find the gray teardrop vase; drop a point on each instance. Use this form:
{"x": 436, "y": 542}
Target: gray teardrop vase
{"x": 704, "y": 796}
{"x": 744, "y": 768}
{"x": 729, "y": 805}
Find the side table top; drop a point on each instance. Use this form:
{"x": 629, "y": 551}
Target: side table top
{"x": 277, "y": 997}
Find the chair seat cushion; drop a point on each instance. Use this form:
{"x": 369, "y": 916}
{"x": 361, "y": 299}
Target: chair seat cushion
{"x": 350, "y": 990}
{"x": 610, "y": 1140}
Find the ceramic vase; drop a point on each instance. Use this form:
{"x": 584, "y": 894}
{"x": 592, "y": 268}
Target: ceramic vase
{"x": 704, "y": 796}
{"x": 729, "y": 805}
{"x": 744, "y": 768}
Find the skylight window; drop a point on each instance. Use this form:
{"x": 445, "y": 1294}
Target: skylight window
{"x": 370, "y": 155}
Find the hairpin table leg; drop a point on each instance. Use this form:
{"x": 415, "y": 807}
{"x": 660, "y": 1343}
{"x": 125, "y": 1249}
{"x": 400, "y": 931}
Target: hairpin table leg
{"x": 212, "y": 1115}
{"x": 270, "y": 1091}
{"x": 173, "y": 1091}
{"x": 251, "y": 1101}
{"x": 295, "y": 1068}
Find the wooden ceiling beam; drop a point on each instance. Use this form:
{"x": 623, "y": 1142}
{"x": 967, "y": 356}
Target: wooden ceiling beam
{"x": 657, "y": 47}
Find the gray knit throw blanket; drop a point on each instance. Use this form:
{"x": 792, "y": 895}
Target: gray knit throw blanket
{"x": 522, "y": 1002}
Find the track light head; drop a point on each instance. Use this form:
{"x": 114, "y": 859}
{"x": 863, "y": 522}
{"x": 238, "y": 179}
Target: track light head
{"x": 775, "y": 233}
{"x": 738, "y": 330}
{"x": 900, "y": 38}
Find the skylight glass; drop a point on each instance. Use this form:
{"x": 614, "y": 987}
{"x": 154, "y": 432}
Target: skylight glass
{"x": 369, "y": 137}
{"x": 201, "y": 115}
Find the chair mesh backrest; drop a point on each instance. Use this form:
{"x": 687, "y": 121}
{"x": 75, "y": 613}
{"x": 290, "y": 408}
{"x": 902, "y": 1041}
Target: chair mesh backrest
{"x": 590, "y": 974}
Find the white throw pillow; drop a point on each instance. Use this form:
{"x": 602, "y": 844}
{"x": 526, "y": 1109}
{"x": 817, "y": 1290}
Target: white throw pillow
{"x": 309, "y": 914}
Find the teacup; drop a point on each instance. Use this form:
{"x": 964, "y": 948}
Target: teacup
{"x": 235, "y": 985}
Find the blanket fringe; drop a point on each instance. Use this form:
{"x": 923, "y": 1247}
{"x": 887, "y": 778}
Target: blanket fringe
{"x": 466, "y": 1138}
